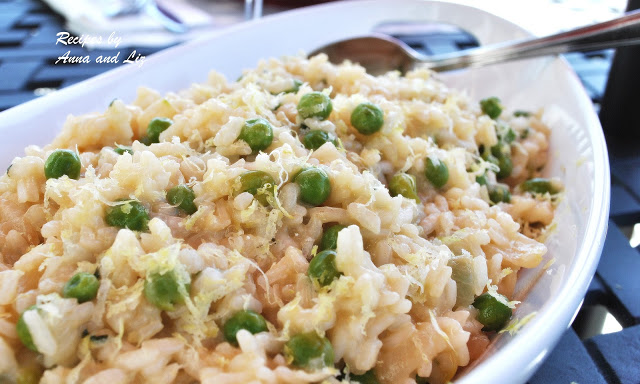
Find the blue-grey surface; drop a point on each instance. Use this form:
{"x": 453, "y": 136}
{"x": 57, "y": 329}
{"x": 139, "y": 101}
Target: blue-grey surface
{"x": 620, "y": 353}
{"x": 624, "y": 207}
{"x": 569, "y": 362}
{"x": 625, "y": 171}
{"x": 618, "y": 258}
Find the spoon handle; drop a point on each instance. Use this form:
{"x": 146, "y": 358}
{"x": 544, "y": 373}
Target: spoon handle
{"x": 618, "y": 32}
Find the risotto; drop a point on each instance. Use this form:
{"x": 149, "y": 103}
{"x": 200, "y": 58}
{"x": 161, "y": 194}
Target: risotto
{"x": 307, "y": 223}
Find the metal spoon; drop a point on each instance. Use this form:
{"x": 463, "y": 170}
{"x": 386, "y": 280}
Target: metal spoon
{"x": 380, "y": 53}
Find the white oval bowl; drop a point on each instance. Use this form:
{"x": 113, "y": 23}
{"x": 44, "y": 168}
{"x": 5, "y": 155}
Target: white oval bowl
{"x": 578, "y": 151}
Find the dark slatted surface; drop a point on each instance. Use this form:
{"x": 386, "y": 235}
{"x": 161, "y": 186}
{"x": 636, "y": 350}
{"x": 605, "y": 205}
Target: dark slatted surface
{"x": 580, "y": 368}
{"x": 27, "y": 70}
{"x": 28, "y": 53}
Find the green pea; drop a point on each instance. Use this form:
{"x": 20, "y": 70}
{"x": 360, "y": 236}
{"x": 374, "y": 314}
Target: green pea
{"x": 322, "y": 268}
{"x": 502, "y": 153}
{"x": 315, "y": 186}
{"x": 491, "y": 312}
{"x": 482, "y": 179}
{"x": 308, "y": 350}
{"x": 509, "y": 136}
{"x": 367, "y": 118}
{"x": 499, "y": 193}
{"x": 540, "y": 185}
{"x": 182, "y": 196}
{"x": 491, "y": 159}
{"x": 436, "y": 172}
{"x": 405, "y": 185}
{"x": 156, "y": 127}
{"x": 146, "y": 141}
{"x": 500, "y": 149}
{"x": 163, "y": 291}
{"x": 23, "y": 330}
{"x": 505, "y": 133}
{"x": 82, "y": 286}
{"x": 121, "y": 149}
{"x": 128, "y": 214}
{"x": 62, "y": 162}
{"x": 491, "y": 107}
{"x": 316, "y": 138}
{"x": 330, "y": 237}
{"x": 295, "y": 88}
{"x": 249, "y": 320}
{"x": 506, "y": 167}
{"x": 368, "y": 377}
{"x": 252, "y": 181}
{"x": 521, "y": 113}
{"x": 258, "y": 133}
{"x": 315, "y": 104}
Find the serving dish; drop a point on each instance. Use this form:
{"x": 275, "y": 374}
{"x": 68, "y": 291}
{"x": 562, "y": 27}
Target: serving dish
{"x": 578, "y": 153}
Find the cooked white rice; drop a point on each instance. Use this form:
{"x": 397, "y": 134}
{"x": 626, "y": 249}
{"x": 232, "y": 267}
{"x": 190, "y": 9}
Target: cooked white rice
{"x": 393, "y": 309}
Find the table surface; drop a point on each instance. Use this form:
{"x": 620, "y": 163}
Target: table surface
{"x": 27, "y": 71}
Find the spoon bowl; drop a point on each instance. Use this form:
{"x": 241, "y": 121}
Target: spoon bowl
{"x": 381, "y": 53}
{"x": 378, "y": 53}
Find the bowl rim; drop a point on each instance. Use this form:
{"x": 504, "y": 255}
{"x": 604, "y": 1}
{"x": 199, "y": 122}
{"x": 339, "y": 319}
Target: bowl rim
{"x": 587, "y": 254}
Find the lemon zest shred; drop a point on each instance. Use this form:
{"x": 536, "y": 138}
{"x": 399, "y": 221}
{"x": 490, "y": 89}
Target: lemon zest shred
{"x": 247, "y": 212}
{"x": 285, "y": 334}
{"x": 283, "y": 175}
{"x": 84, "y": 351}
{"x": 197, "y": 323}
{"x": 493, "y": 291}
{"x": 516, "y": 324}
{"x": 505, "y": 272}
{"x": 209, "y": 143}
{"x": 549, "y": 263}
{"x": 277, "y": 204}
{"x": 191, "y": 221}
{"x": 180, "y": 337}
